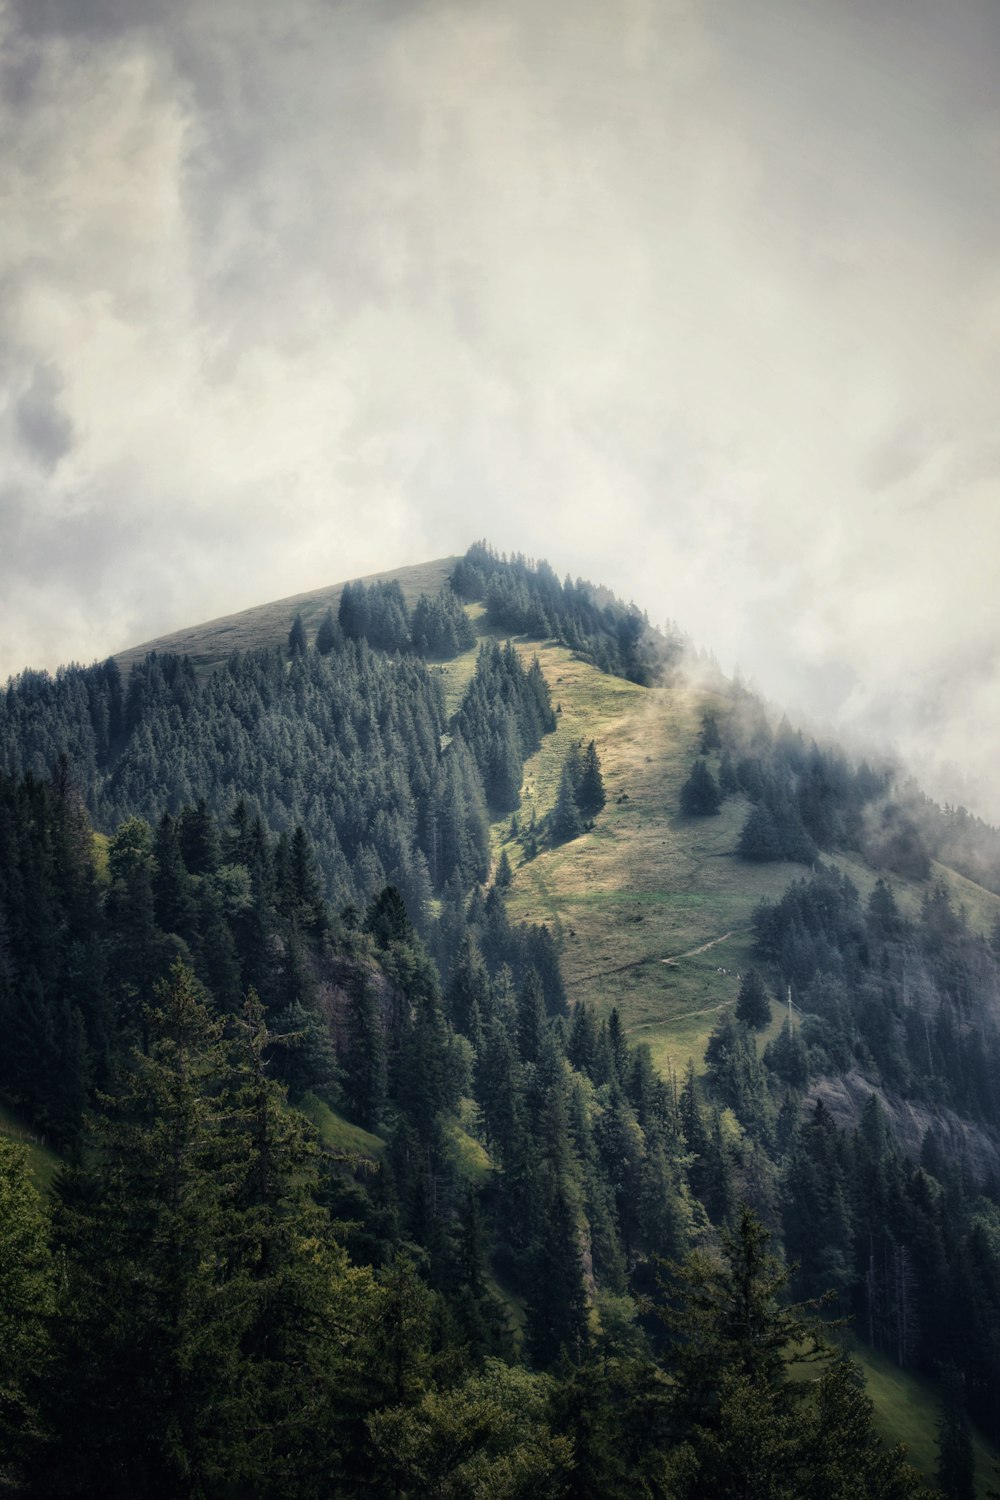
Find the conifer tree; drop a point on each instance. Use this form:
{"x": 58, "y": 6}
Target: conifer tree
{"x": 531, "y": 1025}
{"x": 198, "y": 838}
{"x": 149, "y": 1346}
{"x": 956, "y": 1464}
{"x": 743, "y": 1424}
{"x": 297, "y": 638}
{"x": 566, "y": 822}
{"x": 327, "y": 635}
{"x": 753, "y": 1008}
{"x": 27, "y": 1303}
{"x": 700, "y": 795}
{"x": 364, "y": 1066}
{"x": 760, "y": 839}
{"x": 590, "y": 793}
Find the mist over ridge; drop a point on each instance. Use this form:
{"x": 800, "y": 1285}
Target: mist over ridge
{"x": 699, "y": 299}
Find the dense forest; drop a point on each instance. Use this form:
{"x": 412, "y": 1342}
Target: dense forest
{"x": 520, "y": 1261}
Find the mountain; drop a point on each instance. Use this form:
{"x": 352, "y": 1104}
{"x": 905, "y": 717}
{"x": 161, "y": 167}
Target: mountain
{"x": 498, "y": 859}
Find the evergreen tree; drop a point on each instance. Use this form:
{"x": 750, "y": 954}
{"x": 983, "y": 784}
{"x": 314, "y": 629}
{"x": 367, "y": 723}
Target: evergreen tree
{"x": 27, "y": 1303}
{"x": 590, "y": 793}
{"x": 753, "y": 1007}
{"x": 566, "y": 822}
{"x": 743, "y": 1425}
{"x": 956, "y": 1464}
{"x": 709, "y": 739}
{"x": 148, "y": 1355}
{"x": 328, "y": 636}
{"x": 364, "y": 1065}
{"x": 759, "y": 839}
{"x": 786, "y": 1056}
{"x": 700, "y": 795}
{"x": 297, "y": 638}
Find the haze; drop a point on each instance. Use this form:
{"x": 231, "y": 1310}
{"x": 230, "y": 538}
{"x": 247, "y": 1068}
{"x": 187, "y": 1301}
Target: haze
{"x": 699, "y": 300}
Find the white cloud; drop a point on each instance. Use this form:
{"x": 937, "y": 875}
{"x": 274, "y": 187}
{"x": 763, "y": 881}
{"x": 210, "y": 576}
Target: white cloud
{"x": 700, "y": 300}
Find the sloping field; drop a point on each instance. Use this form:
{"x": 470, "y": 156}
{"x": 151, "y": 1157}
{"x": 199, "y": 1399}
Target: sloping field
{"x": 42, "y": 1160}
{"x": 652, "y": 909}
{"x": 268, "y": 624}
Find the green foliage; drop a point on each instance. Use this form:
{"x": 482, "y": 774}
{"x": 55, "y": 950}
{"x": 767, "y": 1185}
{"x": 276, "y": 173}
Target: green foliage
{"x": 566, "y": 822}
{"x": 488, "y": 1437}
{"x": 956, "y": 1467}
{"x": 27, "y": 1302}
{"x": 700, "y": 795}
{"x": 590, "y": 793}
{"x": 527, "y": 597}
{"x": 741, "y": 1423}
{"x": 440, "y": 627}
{"x": 504, "y": 714}
{"x": 329, "y": 634}
{"x": 297, "y": 638}
{"x": 753, "y": 1006}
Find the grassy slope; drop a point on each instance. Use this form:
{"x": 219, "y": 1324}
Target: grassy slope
{"x": 210, "y": 643}
{"x": 906, "y": 1411}
{"x": 42, "y": 1160}
{"x": 645, "y": 885}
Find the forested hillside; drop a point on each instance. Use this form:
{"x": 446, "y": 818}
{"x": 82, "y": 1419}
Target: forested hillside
{"x": 365, "y": 1192}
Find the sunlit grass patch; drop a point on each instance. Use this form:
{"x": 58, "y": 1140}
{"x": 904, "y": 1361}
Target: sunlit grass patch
{"x": 338, "y": 1135}
{"x": 42, "y": 1160}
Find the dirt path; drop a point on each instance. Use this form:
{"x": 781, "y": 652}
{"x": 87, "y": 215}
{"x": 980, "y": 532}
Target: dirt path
{"x": 693, "y": 952}
{"x": 648, "y": 958}
{"x": 684, "y": 1015}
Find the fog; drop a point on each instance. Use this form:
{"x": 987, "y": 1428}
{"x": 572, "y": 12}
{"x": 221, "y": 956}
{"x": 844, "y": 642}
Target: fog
{"x": 699, "y": 300}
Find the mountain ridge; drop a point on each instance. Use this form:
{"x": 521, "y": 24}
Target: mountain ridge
{"x": 210, "y": 641}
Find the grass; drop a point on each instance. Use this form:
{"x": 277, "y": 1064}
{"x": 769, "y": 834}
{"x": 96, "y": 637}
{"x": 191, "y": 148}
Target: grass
{"x": 906, "y": 1411}
{"x": 470, "y": 1156}
{"x": 647, "y": 884}
{"x": 338, "y": 1135}
{"x": 209, "y": 644}
{"x": 42, "y": 1160}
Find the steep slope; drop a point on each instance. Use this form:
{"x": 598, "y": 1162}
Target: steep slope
{"x": 653, "y": 909}
{"x": 653, "y": 913}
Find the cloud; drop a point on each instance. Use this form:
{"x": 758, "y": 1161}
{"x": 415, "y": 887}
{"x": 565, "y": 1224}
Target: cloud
{"x": 45, "y": 431}
{"x": 699, "y": 299}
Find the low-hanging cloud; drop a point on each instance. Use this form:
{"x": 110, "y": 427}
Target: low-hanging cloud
{"x": 702, "y": 299}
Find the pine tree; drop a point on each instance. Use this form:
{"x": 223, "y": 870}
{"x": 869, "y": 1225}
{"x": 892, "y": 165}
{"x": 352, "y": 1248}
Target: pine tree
{"x": 742, "y": 1423}
{"x": 531, "y": 1023}
{"x": 328, "y": 635}
{"x": 590, "y": 793}
{"x": 700, "y": 795}
{"x": 566, "y": 822}
{"x": 364, "y": 1065}
{"x": 554, "y": 1288}
{"x": 753, "y": 1007}
{"x": 297, "y": 638}
{"x": 149, "y": 1345}
{"x": 269, "y": 1164}
{"x": 27, "y": 1303}
{"x": 760, "y": 839}
{"x": 956, "y": 1465}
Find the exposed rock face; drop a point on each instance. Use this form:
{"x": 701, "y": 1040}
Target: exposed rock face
{"x": 846, "y": 1095}
{"x": 338, "y": 977}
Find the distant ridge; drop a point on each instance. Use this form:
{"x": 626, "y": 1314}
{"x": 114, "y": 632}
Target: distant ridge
{"x": 212, "y": 642}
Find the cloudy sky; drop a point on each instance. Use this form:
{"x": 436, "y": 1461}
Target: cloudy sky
{"x": 697, "y": 298}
